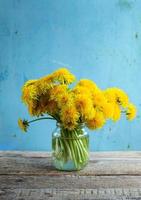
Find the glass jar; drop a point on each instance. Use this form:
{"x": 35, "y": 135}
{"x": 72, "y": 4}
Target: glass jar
{"x": 70, "y": 148}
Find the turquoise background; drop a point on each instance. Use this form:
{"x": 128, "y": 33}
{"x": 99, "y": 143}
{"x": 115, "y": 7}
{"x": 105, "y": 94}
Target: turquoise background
{"x": 95, "y": 39}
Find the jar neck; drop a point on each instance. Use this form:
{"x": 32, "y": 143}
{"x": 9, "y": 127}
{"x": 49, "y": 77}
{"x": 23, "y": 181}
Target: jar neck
{"x": 79, "y": 126}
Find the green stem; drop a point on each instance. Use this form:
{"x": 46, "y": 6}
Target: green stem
{"x": 123, "y": 111}
{"x": 81, "y": 146}
{"x": 73, "y": 147}
{"x": 73, "y": 150}
{"x": 41, "y": 119}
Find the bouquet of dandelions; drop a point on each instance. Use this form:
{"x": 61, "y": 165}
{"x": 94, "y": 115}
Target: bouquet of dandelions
{"x": 85, "y": 103}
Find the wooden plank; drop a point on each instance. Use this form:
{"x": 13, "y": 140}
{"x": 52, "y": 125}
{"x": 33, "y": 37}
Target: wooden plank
{"x": 93, "y": 155}
{"x": 31, "y": 176}
{"x": 69, "y": 182}
{"x": 71, "y": 194}
{"x": 27, "y": 165}
{"x": 70, "y": 187}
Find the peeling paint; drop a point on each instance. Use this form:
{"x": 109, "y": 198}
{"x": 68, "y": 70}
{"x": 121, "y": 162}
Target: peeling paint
{"x": 4, "y": 30}
{"x": 110, "y": 129}
{"x": 3, "y": 75}
{"x": 128, "y": 147}
{"x": 16, "y": 32}
{"x": 136, "y": 36}
{"x": 14, "y": 135}
{"x": 125, "y": 4}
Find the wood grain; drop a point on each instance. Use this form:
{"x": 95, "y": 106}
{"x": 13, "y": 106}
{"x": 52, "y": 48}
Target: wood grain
{"x": 24, "y": 163}
{"x": 31, "y": 176}
{"x": 75, "y": 194}
{"x": 69, "y": 182}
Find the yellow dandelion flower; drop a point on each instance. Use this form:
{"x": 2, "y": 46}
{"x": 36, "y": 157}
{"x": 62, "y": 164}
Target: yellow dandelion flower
{"x": 121, "y": 97}
{"x": 88, "y": 84}
{"x": 131, "y": 111}
{"x": 118, "y": 96}
{"x": 43, "y": 100}
{"x": 52, "y": 107}
{"x": 97, "y": 122}
{"x": 33, "y": 108}
{"x": 30, "y": 97}
{"x": 63, "y": 75}
{"x": 110, "y": 95}
{"x": 26, "y": 95}
{"x": 23, "y": 124}
{"x": 29, "y": 91}
{"x": 108, "y": 110}
{"x": 29, "y": 82}
{"x": 44, "y": 105}
{"x": 45, "y": 83}
{"x": 84, "y": 103}
{"x": 98, "y": 99}
{"x": 116, "y": 113}
{"x": 57, "y": 91}
{"x": 65, "y": 98}
{"x": 48, "y": 78}
{"x": 69, "y": 117}
{"x": 81, "y": 90}
{"x": 85, "y": 106}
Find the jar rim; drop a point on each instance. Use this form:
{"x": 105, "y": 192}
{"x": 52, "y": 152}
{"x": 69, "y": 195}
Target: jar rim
{"x": 80, "y": 124}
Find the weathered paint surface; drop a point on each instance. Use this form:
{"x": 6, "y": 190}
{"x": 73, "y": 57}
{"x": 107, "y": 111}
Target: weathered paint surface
{"x": 99, "y": 40}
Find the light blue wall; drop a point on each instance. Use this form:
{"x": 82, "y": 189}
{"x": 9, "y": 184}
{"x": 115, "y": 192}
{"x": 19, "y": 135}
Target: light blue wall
{"x": 95, "y": 39}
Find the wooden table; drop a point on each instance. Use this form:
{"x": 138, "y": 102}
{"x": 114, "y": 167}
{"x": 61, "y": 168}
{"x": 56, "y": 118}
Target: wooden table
{"x": 109, "y": 175}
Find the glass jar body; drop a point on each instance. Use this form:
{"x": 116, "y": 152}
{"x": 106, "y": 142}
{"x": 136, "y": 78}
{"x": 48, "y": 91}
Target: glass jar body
{"x": 70, "y": 149}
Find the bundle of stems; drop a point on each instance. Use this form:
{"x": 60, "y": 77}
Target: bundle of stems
{"x": 71, "y": 146}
